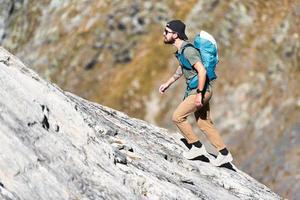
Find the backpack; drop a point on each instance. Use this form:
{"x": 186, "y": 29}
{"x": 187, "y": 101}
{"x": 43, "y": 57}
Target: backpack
{"x": 208, "y": 49}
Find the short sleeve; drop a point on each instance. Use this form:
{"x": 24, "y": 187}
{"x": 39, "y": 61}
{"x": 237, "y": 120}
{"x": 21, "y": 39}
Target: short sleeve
{"x": 192, "y": 55}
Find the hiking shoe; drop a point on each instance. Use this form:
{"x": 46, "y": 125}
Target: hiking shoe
{"x": 222, "y": 159}
{"x": 195, "y": 152}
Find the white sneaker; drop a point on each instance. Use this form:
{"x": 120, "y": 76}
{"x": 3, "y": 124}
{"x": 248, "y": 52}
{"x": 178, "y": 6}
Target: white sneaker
{"x": 221, "y": 159}
{"x": 195, "y": 152}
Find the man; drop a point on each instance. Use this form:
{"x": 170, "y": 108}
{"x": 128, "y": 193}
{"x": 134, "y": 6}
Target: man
{"x": 196, "y": 100}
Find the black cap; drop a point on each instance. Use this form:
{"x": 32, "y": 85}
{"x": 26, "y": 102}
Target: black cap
{"x": 179, "y": 27}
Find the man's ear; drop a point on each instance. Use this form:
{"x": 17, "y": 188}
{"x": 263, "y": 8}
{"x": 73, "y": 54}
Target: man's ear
{"x": 175, "y": 35}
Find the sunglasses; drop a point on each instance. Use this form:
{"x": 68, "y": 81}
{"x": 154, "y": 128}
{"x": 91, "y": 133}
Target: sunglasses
{"x": 166, "y": 32}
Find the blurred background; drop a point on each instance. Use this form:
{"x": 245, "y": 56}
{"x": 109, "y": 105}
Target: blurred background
{"x": 112, "y": 52}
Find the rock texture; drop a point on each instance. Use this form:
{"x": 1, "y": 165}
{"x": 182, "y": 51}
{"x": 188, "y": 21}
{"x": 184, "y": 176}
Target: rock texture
{"x": 56, "y": 145}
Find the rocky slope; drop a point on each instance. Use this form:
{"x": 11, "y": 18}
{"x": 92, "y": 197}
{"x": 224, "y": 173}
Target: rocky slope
{"x": 56, "y": 145}
{"x": 112, "y": 52}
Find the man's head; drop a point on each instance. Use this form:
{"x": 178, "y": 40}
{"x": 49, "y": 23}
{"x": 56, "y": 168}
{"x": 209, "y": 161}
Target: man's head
{"x": 174, "y": 29}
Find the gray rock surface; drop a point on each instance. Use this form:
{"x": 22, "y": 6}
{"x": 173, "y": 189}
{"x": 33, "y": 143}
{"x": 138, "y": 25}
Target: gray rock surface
{"x": 56, "y": 145}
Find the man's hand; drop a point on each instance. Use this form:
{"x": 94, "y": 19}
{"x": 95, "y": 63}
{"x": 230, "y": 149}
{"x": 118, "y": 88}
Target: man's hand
{"x": 198, "y": 100}
{"x": 163, "y": 88}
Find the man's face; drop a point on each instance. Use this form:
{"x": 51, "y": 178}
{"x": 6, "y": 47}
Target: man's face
{"x": 169, "y": 36}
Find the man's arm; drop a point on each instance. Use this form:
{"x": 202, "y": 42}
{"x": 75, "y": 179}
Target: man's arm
{"x": 171, "y": 80}
{"x": 201, "y": 78}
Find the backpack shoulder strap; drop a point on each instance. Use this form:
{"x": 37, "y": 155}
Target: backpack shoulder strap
{"x": 187, "y": 45}
{"x": 181, "y": 58}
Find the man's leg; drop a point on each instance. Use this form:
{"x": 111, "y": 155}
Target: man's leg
{"x": 180, "y": 115}
{"x": 206, "y": 125}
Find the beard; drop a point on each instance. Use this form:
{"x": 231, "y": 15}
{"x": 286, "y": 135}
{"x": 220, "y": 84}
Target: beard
{"x": 170, "y": 41}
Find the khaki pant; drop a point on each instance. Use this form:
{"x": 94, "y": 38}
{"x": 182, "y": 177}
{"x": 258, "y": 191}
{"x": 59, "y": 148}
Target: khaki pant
{"x": 203, "y": 119}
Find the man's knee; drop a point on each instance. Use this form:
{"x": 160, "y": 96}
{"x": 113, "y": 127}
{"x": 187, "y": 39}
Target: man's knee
{"x": 176, "y": 118}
